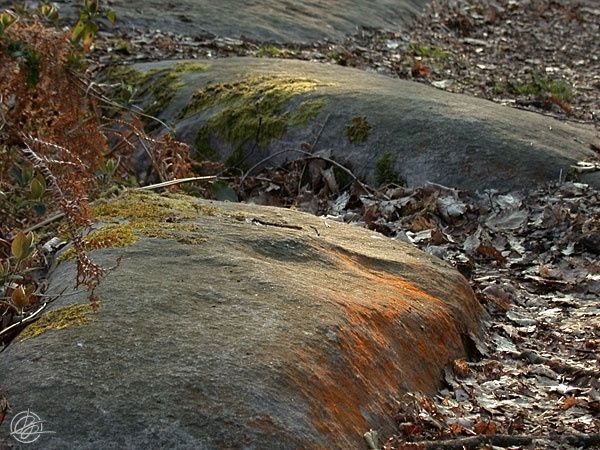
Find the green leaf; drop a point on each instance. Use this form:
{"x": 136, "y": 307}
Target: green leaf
{"x": 111, "y": 15}
{"x": 22, "y": 246}
{"x": 7, "y": 18}
{"x": 38, "y": 187}
{"x": 221, "y": 191}
{"x": 91, "y": 6}
{"x": 49, "y": 11}
{"x": 79, "y": 28}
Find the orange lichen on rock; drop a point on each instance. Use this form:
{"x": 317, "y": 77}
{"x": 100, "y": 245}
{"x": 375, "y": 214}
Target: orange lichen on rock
{"x": 395, "y": 337}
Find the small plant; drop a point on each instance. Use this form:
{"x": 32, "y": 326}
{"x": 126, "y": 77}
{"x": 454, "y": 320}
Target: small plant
{"x": 560, "y": 89}
{"x": 20, "y": 295}
{"x": 85, "y": 29}
{"x": 268, "y": 50}
{"x": 358, "y": 130}
{"x": 426, "y": 51}
{"x": 385, "y": 172}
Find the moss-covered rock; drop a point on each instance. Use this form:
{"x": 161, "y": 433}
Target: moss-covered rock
{"x": 58, "y": 319}
{"x": 131, "y": 85}
{"x": 251, "y": 112}
{"x": 146, "y": 214}
{"x": 244, "y": 111}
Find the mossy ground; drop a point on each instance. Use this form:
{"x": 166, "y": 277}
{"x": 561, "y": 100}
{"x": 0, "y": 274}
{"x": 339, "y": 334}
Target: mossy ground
{"x": 426, "y": 51}
{"x": 560, "y": 89}
{"x": 358, "y": 130}
{"x": 251, "y": 112}
{"x": 119, "y": 235}
{"x": 58, "y": 319}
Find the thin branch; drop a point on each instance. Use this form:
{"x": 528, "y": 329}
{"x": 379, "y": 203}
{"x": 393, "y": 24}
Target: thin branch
{"x": 312, "y": 148}
{"x": 473, "y": 442}
{"x": 45, "y": 222}
{"x": 309, "y": 155}
{"x": 174, "y": 182}
{"x": 135, "y": 109}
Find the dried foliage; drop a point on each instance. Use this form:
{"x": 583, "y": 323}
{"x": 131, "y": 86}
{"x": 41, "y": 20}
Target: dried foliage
{"x": 55, "y": 155}
{"x": 169, "y": 158}
{"x": 42, "y": 101}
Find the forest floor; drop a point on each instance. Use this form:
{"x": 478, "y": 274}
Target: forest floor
{"x": 531, "y": 257}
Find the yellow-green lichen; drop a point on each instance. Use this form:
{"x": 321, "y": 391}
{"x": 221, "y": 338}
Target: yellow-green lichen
{"x": 120, "y": 235}
{"x": 358, "y": 130}
{"x": 250, "y": 112}
{"x": 156, "y": 216}
{"x": 58, "y": 319}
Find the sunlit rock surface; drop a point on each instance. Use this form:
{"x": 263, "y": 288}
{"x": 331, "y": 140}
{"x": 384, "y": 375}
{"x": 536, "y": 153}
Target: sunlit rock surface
{"x": 263, "y": 328}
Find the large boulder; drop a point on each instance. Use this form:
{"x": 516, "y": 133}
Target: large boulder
{"x": 298, "y": 21}
{"x": 236, "y": 326}
{"x": 247, "y": 110}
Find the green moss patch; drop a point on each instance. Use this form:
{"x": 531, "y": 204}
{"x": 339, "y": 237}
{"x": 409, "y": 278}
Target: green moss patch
{"x": 144, "y": 214}
{"x": 426, "y": 51}
{"x": 119, "y": 235}
{"x": 141, "y": 206}
{"x": 58, "y": 319}
{"x": 159, "y": 84}
{"x": 358, "y": 130}
{"x": 251, "y": 112}
{"x": 385, "y": 172}
{"x": 307, "y": 111}
{"x": 560, "y": 89}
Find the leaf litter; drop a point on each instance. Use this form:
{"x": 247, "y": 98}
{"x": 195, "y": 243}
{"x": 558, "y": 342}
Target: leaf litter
{"x": 533, "y": 262}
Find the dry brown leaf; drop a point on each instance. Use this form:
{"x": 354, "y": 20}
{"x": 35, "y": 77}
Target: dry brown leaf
{"x": 485, "y": 427}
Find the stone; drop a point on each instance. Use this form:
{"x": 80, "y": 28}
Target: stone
{"x": 298, "y": 21}
{"x": 374, "y": 125}
{"x": 237, "y": 326}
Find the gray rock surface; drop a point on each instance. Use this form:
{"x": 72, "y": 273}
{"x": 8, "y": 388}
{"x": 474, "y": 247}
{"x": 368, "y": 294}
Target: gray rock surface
{"x": 266, "y": 329}
{"x": 298, "y": 21}
{"x": 427, "y": 134}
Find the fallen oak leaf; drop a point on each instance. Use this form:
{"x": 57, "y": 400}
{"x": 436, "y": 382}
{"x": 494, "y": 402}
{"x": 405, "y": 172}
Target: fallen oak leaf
{"x": 485, "y": 427}
{"x": 491, "y": 252}
{"x": 568, "y": 402}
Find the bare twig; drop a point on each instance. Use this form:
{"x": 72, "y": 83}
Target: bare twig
{"x": 45, "y": 222}
{"x": 312, "y": 148}
{"x": 309, "y": 155}
{"x": 174, "y": 182}
{"x": 473, "y": 442}
{"x": 135, "y": 109}
{"x": 502, "y": 440}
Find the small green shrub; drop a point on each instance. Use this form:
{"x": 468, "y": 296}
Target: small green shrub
{"x": 385, "y": 172}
